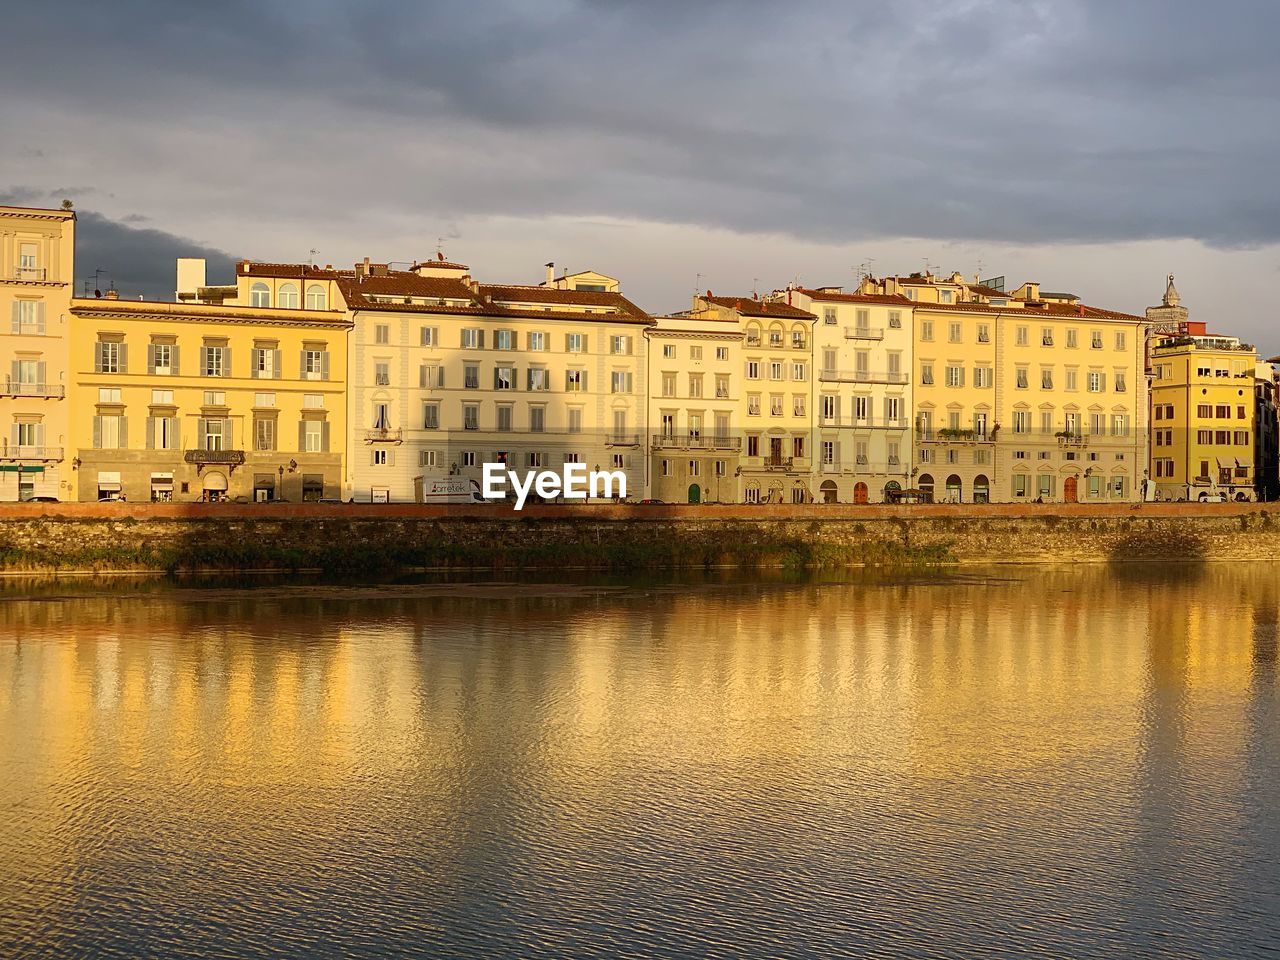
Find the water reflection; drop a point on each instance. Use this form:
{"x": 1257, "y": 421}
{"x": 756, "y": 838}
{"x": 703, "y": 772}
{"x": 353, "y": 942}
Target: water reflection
{"x": 1046, "y": 763}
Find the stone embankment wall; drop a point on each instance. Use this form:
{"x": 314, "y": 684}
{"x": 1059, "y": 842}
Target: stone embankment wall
{"x": 355, "y": 538}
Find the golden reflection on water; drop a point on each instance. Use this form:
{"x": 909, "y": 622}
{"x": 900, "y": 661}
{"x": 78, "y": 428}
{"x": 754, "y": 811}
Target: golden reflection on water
{"x": 941, "y": 763}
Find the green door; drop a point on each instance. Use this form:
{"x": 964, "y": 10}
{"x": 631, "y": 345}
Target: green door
{"x": 695, "y": 493}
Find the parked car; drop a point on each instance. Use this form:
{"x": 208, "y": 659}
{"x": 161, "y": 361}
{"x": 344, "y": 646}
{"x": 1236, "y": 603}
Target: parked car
{"x": 651, "y": 502}
{"x": 1212, "y": 498}
{"x": 42, "y": 499}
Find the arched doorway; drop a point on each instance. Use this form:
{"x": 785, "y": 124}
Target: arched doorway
{"x": 829, "y": 492}
{"x": 981, "y": 489}
{"x": 859, "y": 492}
{"x": 926, "y": 487}
{"x": 215, "y": 487}
{"x": 892, "y": 491}
{"x": 1070, "y": 490}
{"x": 955, "y": 492}
{"x": 695, "y": 493}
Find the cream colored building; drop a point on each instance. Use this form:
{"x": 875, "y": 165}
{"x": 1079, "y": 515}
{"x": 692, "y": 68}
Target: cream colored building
{"x": 862, "y": 414}
{"x": 1023, "y": 395}
{"x": 695, "y": 378}
{"x": 192, "y": 401}
{"x": 37, "y": 249}
{"x": 775, "y": 412}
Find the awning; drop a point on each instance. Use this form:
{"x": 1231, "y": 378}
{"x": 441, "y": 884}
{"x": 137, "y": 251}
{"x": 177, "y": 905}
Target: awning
{"x": 215, "y": 481}
{"x": 108, "y": 487}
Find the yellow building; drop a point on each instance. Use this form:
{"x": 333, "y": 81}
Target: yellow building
{"x": 36, "y": 276}
{"x": 775, "y": 413}
{"x": 1202, "y": 423}
{"x": 193, "y": 401}
{"x": 1022, "y": 395}
{"x": 694, "y": 401}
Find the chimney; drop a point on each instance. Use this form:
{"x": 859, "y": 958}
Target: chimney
{"x": 112, "y": 294}
{"x": 362, "y": 269}
{"x": 551, "y": 273}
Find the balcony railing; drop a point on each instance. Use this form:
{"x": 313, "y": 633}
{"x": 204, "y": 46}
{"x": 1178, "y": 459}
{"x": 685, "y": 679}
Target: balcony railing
{"x": 11, "y": 388}
{"x": 384, "y": 435}
{"x": 13, "y": 453}
{"x": 955, "y": 435}
{"x": 1067, "y": 439}
{"x": 29, "y": 273}
{"x": 864, "y": 333}
{"x": 778, "y": 463}
{"x": 872, "y": 423}
{"x": 695, "y": 441}
{"x": 204, "y": 458}
{"x": 861, "y": 376}
{"x": 622, "y": 440}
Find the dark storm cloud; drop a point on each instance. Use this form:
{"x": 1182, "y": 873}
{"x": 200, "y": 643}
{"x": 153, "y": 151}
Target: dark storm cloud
{"x": 138, "y": 260}
{"x": 1000, "y": 120}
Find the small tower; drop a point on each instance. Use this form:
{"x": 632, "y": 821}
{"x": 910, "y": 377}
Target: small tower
{"x": 1170, "y": 317}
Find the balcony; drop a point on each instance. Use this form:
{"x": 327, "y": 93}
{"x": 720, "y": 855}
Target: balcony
{"x": 36, "y": 274}
{"x": 864, "y": 423}
{"x": 1068, "y": 438}
{"x": 955, "y": 435}
{"x": 695, "y": 441}
{"x": 13, "y": 454}
{"x": 864, "y": 333}
{"x": 48, "y": 391}
{"x": 622, "y": 440}
{"x": 861, "y": 376}
{"x": 384, "y": 435}
{"x": 778, "y": 463}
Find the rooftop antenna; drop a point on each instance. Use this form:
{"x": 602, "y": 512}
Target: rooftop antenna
{"x": 439, "y": 248}
{"x": 97, "y": 281}
{"x": 755, "y": 294}
{"x": 311, "y": 261}
{"x": 697, "y": 285}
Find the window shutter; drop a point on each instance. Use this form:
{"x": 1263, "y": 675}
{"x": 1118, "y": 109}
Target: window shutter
{"x": 151, "y": 364}
{"x": 151, "y": 433}
{"x": 17, "y": 322}
{"x": 173, "y": 360}
{"x": 422, "y": 375}
{"x": 226, "y": 361}
{"x": 324, "y": 365}
{"x": 204, "y": 360}
{"x": 97, "y": 347}
{"x": 302, "y": 364}
{"x": 324, "y": 437}
{"x": 41, "y": 367}
{"x": 529, "y": 378}
{"x": 97, "y": 433}
{"x": 584, "y": 381}
{"x": 124, "y": 360}
{"x": 462, "y": 339}
{"x": 40, "y": 318}
{"x": 302, "y": 436}
{"x": 495, "y": 378}
{"x": 277, "y": 364}
{"x": 39, "y": 435}
{"x": 15, "y": 374}
{"x": 480, "y": 334}
{"x": 124, "y": 433}
{"x": 630, "y": 378}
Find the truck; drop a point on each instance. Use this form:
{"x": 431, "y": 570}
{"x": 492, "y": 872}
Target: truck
{"x": 446, "y": 490}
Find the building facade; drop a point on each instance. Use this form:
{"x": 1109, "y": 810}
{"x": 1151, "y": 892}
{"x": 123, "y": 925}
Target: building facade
{"x": 36, "y": 283}
{"x": 1022, "y": 395}
{"x": 695, "y": 378}
{"x": 863, "y": 350}
{"x": 196, "y": 402}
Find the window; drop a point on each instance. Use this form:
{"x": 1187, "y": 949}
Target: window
{"x": 954, "y": 332}
{"x": 468, "y": 458}
{"x": 798, "y": 405}
{"x": 214, "y": 360}
{"x": 472, "y": 338}
{"x": 264, "y": 363}
{"x": 316, "y": 299}
{"x": 426, "y": 458}
{"x": 753, "y": 405}
{"x": 775, "y": 405}
{"x": 162, "y": 359}
{"x": 470, "y": 416}
{"x": 504, "y": 339}
{"x": 260, "y": 295}
{"x": 926, "y": 373}
{"x": 1118, "y": 379}
{"x": 214, "y": 433}
{"x": 538, "y": 419}
{"x": 315, "y": 365}
{"x": 1021, "y": 378}
{"x": 1120, "y": 425}
{"x": 944, "y": 296}
{"x": 620, "y": 346}
{"x": 431, "y": 416}
{"x": 1021, "y": 336}
{"x": 504, "y": 378}
{"x": 1046, "y": 378}
{"x": 575, "y": 343}
{"x": 431, "y": 376}
{"x": 380, "y": 458}
{"x": 264, "y": 433}
{"x": 287, "y": 296}
{"x": 666, "y": 468}
{"x": 669, "y": 351}
{"x": 982, "y": 376}
{"x": 861, "y": 408}
{"x": 620, "y": 381}
{"x": 1095, "y": 340}
{"x": 895, "y": 319}
{"x": 829, "y": 316}
{"x": 798, "y": 339}
{"x": 575, "y": 381}
{"x": 381, "y": 333}
{"x": 215, "y": 398}
{"x": 984, "y": 333}
{"x": 722, "y": 386}
{"x": 109, "y": 357}
{"x": 1071, "y": 339}
{"x": 109, "y": 432}
{"x": 1097, "y": 382}
{"x": 1120, "y": 340}
{"x": 695, "y": 385}
{"x": 28, "y": 317}
{"x": 429, "y": 336}
{"x": 471, "y": 376}
{"x": 926, "y": 330}
{"x": 693, "y": 468}
{"x": 775, "y": 370}
{"x": 1073, "y": 377}
{"x": 955, "y": 376}
{"x": 722, "y": 353}
{"x": 753, "y": 369}
{"x": 540, "y": 378}
{"x": 800, "y": 371}
{"x": 668, "y": 384}
{"x": 1022, "y": 421}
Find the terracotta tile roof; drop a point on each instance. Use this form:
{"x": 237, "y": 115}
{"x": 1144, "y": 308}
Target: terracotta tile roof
{"x": 750, "y": 307}
{"x": 895, "y": 299}
{"x": 443, "y": 264}
{"x": 295, "y": 271}
{"x": 512, "y": 294}
{"x": 360, "y": 291}
{"x": 1055, "y": 310}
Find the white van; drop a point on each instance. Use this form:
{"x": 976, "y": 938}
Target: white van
{"x": 446, "y": 490}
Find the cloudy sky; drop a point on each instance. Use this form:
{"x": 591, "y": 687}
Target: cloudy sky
{"x": 1093, "y": 145}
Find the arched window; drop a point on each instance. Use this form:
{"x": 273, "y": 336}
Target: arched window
{"x": 830, "y": 494}
{"x": 926, "y": 487}
{"x": 981, "y": 489}
{"x": 260, "y": 295}
{"x": 752, "y": 493}
{"x": 315, "y": 297}
{"x": 753, "y": 334}
{"x": 954, "y": 491}
{"x": 287, "y": 296}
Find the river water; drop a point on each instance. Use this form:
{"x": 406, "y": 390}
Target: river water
{"x": 1075, "y": 762}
